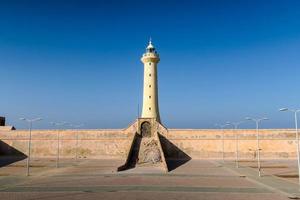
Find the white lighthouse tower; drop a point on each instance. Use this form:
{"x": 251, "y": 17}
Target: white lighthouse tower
{"x": 150, "y": 93}
{"x": 146, "y": 147}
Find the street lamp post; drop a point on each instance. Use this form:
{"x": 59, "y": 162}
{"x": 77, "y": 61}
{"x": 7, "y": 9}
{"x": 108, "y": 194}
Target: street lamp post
{"x": 223, "y": 137}
{"x": 257, "y": 121}
{"x": 295, "y": 111}
{"x": 76, "y": 148}
{"x": 30, "y": 121}
{"x": 235, "y": 125}
{"x": 58, "y": 141}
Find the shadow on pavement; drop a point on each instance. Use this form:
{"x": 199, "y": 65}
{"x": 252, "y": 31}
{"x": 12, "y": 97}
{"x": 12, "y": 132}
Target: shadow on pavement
{"x": 9, "y": 154}
{"x": 175, "y": 157}
{"x": 288, "y": 176}
{"x": 133, "y": 155}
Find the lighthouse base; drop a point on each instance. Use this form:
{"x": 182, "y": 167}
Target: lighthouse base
{"x": 146, "y": 149}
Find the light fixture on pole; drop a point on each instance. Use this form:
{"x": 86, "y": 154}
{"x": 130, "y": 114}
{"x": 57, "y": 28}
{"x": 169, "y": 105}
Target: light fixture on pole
{"x": 30, "y": 122}
{"x": 223, "y": 137}
{"x": 295, "y": 111}
{"x": 257, "y": 121}
{"x": 235, "y": 125}
{"x": 76, "y": 148}
{"x": 58, "y": 140}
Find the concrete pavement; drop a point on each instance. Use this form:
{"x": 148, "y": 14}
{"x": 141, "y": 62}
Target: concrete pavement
{"x": 98, "y": 179}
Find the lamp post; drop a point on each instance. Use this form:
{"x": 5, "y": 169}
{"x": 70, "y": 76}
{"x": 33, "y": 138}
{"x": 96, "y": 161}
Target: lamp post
{"x": 58, "y": 141}
{"x": 297, "y": 134}
{"x": 235, "y": 125}
{"x": 76, "y": 148}
{"x": 30, "y": 122}
{"x": 257, "y": 121}
{"x": 222, "y": 128}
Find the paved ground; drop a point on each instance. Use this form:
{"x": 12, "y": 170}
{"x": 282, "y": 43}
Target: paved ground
{"x": 196, "y": 179}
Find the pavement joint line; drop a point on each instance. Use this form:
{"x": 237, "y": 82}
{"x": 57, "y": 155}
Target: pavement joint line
{"x": 261, "y": 184}
{"x": 119, "y": 188}
{"x": 148, "y": 175}
{"x": 253, "y": 180}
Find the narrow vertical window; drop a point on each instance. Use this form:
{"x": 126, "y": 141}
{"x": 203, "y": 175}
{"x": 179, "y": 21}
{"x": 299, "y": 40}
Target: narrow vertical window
{"x": 149, "y": 108}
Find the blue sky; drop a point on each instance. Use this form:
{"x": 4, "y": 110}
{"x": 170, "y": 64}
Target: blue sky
{"x": 79, "y": 61}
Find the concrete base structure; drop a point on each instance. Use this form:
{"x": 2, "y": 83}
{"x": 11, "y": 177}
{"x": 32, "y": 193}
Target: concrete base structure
{"x": 146, "y": 148}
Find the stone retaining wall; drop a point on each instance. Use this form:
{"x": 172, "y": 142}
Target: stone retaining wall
{"x": 196, "y": 143}
{"x": 208, "y": 143}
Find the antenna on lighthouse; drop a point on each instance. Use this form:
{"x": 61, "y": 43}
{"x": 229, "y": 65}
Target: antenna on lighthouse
{"x": 138, "y": 110}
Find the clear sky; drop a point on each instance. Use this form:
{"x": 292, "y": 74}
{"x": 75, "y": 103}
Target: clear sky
{"x": 79, "y": 61}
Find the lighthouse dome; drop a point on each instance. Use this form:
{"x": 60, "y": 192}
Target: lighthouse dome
{"x": 150, "y": 46}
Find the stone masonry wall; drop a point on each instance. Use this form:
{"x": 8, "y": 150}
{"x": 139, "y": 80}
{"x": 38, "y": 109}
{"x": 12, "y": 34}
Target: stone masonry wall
{"x": 115, "y": 143}
{"x": 208, "y": 143}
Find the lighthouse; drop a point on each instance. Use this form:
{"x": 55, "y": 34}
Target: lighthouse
{"x": 146, "y": 147}
{"x": 150, "y": 60}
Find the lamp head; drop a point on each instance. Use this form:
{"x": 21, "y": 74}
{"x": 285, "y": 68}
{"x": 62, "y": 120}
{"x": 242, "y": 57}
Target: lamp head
{"x": 283, "y": 109}
{"x": 228, "y": 123}
{"x": 37, "y": 119}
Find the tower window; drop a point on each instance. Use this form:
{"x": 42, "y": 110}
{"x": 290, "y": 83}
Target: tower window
{"x": 149, "y": 108}
{"x": 149, "y": 97}
{"x": 149, "y": 63}
{"x": 149, "y": 74}
{"x": 149, "y": 86}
